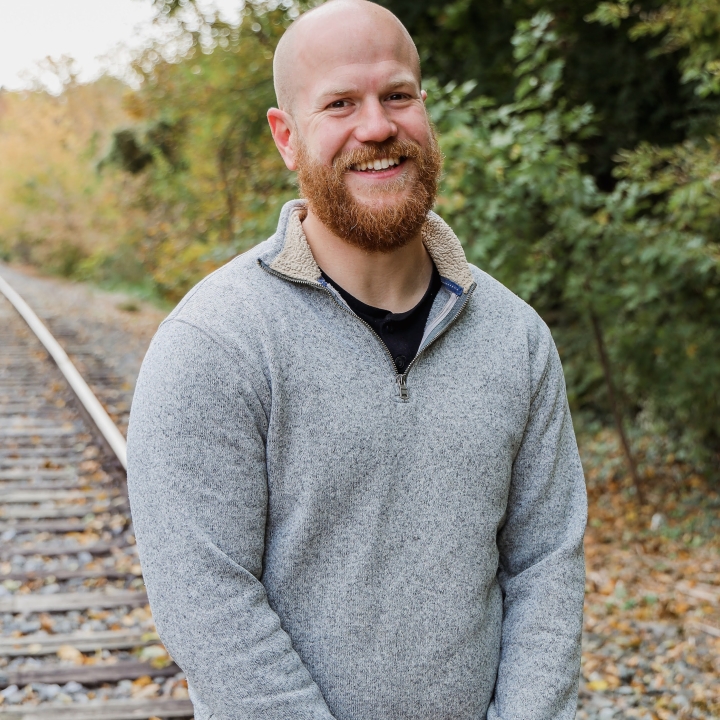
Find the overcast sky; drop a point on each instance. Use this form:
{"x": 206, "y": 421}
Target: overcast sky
{"x": 31, "y": 30}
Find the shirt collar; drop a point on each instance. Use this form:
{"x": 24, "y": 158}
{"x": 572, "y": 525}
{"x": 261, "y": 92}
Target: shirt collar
{"x": 294, "y": 258}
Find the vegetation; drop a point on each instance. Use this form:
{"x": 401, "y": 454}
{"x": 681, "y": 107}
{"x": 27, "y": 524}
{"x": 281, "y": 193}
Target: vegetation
{"x": 583, "y": 160}
{"x": 55, "y": 209}
{"x": 627, "y": 278}
{"x": 210, "y": 180}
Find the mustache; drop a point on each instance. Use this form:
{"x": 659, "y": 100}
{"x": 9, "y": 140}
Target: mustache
{"x": 376, "y": 151}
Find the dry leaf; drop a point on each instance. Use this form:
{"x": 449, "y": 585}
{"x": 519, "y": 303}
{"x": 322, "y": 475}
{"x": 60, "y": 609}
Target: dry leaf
{"x": 147, "y": 691}
{"x": 68, "y": 652}
{"x": 598, "y": 685}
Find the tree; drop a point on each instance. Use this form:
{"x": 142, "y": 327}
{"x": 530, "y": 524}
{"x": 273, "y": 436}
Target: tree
{"x": 55, "y": 210}
{"x": 211, "y": 180}
{"x": 627, "y": 279}
{"x": 637, "y": 94}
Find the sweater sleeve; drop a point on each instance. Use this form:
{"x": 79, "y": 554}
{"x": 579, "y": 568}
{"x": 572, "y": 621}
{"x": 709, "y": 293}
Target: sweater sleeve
{"x": 542, "y": 571}
{"x": 198, "y": 491}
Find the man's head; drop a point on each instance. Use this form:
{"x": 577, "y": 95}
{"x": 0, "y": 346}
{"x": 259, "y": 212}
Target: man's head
{"x": 347, "y": 78}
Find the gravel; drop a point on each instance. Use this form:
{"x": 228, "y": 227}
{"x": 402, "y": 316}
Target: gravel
{"x": 106, "y": 334}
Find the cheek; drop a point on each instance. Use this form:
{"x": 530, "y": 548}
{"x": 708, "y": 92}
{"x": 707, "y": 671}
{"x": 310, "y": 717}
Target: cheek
{"x": 423, "y": 134}
{"x": 328, "y": 141}
{"x": 414, "y": 125}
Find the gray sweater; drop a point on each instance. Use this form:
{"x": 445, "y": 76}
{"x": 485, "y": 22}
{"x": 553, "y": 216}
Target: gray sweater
{"x": 322, "y": 538}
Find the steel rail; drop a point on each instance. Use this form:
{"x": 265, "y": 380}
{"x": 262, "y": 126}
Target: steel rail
{"x": 102, "y": 421}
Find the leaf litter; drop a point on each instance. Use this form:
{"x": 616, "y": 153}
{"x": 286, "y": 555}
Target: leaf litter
{"x": 651, "y": 641}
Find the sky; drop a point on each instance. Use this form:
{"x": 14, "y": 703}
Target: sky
{"x": 87, "y": 30}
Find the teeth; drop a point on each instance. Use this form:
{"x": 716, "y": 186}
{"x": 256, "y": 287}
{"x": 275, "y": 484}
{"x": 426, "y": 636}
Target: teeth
{"x": 382, "y": 164}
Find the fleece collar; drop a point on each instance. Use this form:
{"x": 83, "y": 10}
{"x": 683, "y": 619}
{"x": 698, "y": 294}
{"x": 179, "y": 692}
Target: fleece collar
{"x": 296, "y": 260}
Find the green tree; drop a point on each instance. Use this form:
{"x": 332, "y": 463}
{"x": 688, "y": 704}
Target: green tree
{"x": 627, "y": 279}
{"x": 637, "y": 94}
{"x": 212, "y": 182}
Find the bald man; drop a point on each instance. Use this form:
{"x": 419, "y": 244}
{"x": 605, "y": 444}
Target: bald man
{"x": 354, "y": 480}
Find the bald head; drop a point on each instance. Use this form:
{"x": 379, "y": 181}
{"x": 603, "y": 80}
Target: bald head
{"x": 338, "y": 32}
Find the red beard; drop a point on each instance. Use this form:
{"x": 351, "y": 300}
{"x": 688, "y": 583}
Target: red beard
{"x": 380, "y": 227}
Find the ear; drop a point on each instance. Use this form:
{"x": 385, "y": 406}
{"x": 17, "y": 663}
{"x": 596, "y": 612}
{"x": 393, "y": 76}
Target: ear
{"x": 283, "y": 128}
{"x": 423, "y": 95}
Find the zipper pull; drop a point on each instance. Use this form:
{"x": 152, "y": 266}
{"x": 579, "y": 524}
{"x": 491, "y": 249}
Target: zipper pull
{"x": 402, "y": 387}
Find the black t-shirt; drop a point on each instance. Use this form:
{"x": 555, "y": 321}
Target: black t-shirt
{"x": 401, "y": 332}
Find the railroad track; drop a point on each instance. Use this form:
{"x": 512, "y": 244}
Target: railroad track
{"x": 77, "y": 640}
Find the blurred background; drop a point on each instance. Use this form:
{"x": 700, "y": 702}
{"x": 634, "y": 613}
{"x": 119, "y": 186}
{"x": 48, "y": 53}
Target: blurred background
{"x": 582, "y": 168}
{"x": 582, "y": 145}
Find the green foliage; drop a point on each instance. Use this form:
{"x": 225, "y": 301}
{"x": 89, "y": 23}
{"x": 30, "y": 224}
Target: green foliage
{"x": 664, "y": 210}
{"x": 640, "y": 261}
{"x": 637, "y": 95}
{"x": 681, "y": 25}
{"x": 211, "y": 179}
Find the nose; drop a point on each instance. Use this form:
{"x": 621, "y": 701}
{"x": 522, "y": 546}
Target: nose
{"x": 374, "y": 124}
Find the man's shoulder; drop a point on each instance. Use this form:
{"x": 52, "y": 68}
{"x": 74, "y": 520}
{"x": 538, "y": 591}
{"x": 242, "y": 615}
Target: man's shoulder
{"x": 230, "y": 296}
{"x": 499, "y": 304}
{"x": 513, "y": 326}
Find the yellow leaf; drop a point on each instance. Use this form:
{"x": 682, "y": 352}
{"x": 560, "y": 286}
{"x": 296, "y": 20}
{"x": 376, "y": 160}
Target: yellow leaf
{"x": 598, "y": 685}
{"x": 68, "y": 652}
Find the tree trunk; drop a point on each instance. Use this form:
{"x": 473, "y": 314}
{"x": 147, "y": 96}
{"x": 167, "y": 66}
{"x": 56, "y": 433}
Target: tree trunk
{"x": 615, "y": 407}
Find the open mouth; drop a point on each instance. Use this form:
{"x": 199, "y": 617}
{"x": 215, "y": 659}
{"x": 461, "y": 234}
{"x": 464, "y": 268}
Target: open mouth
{"x": 379, "y": 165}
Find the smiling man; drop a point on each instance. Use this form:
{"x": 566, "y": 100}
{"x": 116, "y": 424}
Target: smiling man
{"x": 354, "y": 480}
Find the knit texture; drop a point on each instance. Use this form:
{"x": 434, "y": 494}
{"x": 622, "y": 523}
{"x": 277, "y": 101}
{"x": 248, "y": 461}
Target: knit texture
{"x": 314, "y": 546}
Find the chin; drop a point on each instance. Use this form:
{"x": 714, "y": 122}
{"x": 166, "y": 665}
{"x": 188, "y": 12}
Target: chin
{"x": 379, "y": 200}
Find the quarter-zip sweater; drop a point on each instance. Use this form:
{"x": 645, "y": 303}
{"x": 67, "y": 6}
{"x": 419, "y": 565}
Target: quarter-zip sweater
{"x": 323, "y": 537}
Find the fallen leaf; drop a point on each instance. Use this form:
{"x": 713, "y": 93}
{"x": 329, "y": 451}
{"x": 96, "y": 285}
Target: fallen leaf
{"x": 68, "y": 652}
{"x": 598, "y": 685}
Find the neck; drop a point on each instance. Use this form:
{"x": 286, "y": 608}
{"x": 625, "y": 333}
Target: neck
{"x": 395, "y": 281}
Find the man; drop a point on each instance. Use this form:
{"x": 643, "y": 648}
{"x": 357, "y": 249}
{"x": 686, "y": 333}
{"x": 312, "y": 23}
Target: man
{"x": 353, "y": 474}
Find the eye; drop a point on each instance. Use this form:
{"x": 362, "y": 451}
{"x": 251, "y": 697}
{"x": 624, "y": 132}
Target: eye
{"x": 338, "y": 104}
{"x": 398, "y": 96}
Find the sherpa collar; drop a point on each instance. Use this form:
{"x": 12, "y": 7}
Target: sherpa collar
{"x": 296, "y": 260}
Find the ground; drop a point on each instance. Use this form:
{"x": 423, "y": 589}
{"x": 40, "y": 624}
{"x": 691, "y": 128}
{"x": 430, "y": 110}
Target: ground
{"x": 651, "y": 647}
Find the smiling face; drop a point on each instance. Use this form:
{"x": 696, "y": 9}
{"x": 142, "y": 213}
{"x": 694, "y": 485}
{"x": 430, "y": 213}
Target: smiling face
{"x": 353, "y": 122}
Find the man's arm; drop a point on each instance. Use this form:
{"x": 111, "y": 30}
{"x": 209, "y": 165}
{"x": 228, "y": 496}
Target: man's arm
{"x": 198, "y": 489}
{"x": 542, "y": 571}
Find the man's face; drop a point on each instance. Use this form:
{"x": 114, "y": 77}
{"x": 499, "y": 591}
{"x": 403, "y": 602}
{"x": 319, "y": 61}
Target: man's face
{"x": 352, "y": 110}
{"x": 362, "y": 143}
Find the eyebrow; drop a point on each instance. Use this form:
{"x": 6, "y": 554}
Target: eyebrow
{"x": 340, "y": 91}
{"x": 350, "y": 89}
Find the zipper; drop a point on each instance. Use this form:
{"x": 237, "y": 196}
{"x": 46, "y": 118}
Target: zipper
{"x": 441, "y": 316}
{"x": 400, "y": 378}
{"x": 402, "y": 386}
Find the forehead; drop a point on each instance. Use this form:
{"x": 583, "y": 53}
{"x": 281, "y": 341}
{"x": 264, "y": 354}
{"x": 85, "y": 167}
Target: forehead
{"x": 355, "y": 50}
